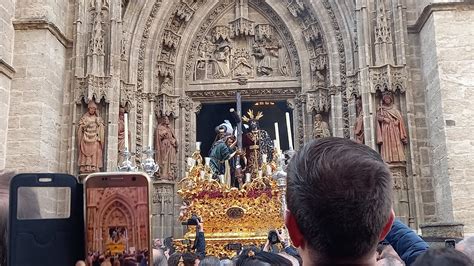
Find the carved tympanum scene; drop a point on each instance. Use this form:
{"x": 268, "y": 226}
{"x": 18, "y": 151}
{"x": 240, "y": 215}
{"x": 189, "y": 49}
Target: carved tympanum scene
{"x": 143, "y": 70}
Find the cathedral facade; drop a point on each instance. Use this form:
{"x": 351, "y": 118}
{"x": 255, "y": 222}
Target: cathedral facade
{"x": 396, "y": 75}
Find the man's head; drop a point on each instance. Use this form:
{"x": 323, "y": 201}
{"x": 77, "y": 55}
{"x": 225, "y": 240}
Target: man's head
{"x": 339, "y": 197}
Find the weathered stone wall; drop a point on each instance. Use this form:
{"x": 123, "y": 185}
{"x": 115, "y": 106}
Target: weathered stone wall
{"x": 424, "y": 178}
{"x": 447, "y": 63}
{"x": 6, "y": 72}
{"x": 454, "y": 31}
{"x": 35, "y": 106}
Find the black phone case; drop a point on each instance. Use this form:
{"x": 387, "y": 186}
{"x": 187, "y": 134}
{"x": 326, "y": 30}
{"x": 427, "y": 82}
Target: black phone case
{"x": 46, "y": 241}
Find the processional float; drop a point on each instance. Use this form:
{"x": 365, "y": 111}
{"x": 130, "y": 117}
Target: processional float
{"x": 234, "y": 216}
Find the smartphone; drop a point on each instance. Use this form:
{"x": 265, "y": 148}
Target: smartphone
{"x": 117, "y": 217}
{"x": 450, "y": 243}
{"x": 46, "y": 222}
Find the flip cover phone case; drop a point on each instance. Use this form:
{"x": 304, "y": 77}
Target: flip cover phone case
{"x": 38, "y": 240}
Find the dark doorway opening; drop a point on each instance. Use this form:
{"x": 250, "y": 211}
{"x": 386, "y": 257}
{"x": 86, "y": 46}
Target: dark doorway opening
{"x": 214, "y": 114}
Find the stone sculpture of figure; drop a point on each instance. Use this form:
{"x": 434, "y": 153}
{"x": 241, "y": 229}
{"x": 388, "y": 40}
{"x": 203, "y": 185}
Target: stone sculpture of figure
{"x": 256, "y": 142}
{"x": 91, "y": 140}
{"x": 121, "y": 134}
{"x": 167, "y": 85}
{"x": 221, "y": 154}
{"x": 391, "y": 133}
{"x": 320, "y": 128}
{"x": 222, "y": 56}
{"x": 165, "y": 147}
{"x": 359, "y": 124}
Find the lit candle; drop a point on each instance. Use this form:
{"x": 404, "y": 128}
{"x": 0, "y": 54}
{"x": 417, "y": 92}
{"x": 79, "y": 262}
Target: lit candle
{"x": 288, "y": 128}
{"x": 260, "y": 173}
{"x": 221, "y": 178}
{"x": 202, "y": 173}
{"x": 277, "y": 136}
{"x": 264, "y": 158}
{"x": 207, "y": 160}
{"x": 276, "y": 144}
{"x": 191, "y": 162}
{"x": 125, "y": 118}
{"x": 150, "y": 131}
{"x": 198, "y": 146}
{"x": 247, "y": 177}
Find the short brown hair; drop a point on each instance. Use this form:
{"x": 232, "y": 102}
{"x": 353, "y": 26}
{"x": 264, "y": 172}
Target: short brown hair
{"x": 340, "y": 193}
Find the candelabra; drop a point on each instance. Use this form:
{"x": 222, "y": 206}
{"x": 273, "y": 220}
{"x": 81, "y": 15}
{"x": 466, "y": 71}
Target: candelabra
{"x": 149, "y": 166}
{"x": 127, "y": 165}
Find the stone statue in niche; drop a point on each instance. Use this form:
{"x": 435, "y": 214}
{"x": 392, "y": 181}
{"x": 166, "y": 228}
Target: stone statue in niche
{"x": 166, "y": 147}
{"x": 91, "y": 140}
{"x": 121, "y": 134}
{"x": 223, "y": 57}
{"x": 320, "y": 127}
{"x": 167, "y": 85}
{"x": 391, "y": 133}
{"x": 359, "y": 123}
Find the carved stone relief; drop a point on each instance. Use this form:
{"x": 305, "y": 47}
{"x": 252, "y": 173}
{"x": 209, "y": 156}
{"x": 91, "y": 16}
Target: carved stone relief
{"x": 240, "y": 47}
{"x": 92, "y": 87}
{"x": 400, "y": 197}
{"x": 388, "y": 78}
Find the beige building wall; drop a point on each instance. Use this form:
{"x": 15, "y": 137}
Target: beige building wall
{"x": 447, "y": 48}
{"x": 36, "y": 93}
{"x": 7, "y": 8}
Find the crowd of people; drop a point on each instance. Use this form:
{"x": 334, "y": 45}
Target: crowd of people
{"x": 339, "y": 212}
{"x": 139, "y": 258}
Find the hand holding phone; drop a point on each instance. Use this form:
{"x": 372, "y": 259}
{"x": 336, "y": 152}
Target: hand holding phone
{"x": 117, "y": 215}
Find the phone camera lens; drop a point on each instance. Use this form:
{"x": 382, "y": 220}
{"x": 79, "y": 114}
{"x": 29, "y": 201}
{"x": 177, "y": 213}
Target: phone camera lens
{"x": 134, "y": 179}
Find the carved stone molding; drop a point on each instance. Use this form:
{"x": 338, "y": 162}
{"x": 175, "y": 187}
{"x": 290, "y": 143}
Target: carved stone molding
{"x": 399, "y": 174}
{"x": 163, "y": 193}
{"x": 6, "y": 69}
{"x": 353, "y": 86}
{"x": 189, "y": 108}
{"x": 187, "y": 8}
{"x": 167, "y": 105}
{"x": 127, "y": 94}
{"x": 342, "y": 67}
{"x": 36, "y": 24}
{"x": 164, "y": 69}
{"x": 205, "y": 95}
{"x": 318, "y": 101}
{"x": 388, "y": 78}
{"x": 300, "y": 102}
{"x": 92, "y": 87}
{"x": 140, "y": 76}
{"x": 296, "y": 7}
{"x": 171, "y": 39}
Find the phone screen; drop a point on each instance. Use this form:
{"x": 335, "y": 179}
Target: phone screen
{"x": 117, "y": 218}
